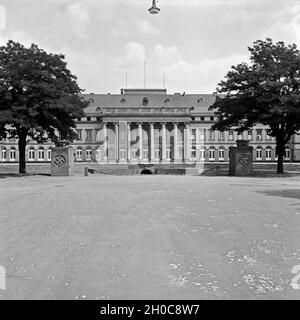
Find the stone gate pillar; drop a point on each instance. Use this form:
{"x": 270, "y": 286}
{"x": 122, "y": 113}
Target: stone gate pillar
{"x": 241, "y": 159}
{"x": 62, "y": 159}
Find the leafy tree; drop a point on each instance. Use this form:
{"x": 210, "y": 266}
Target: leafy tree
{"x": 266, "y": 91}
{"x": 39, "y": 97}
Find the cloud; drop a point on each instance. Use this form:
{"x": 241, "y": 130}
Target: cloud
{"x": 182, "y": 74}
{"x": 2, "y": 17}
{"x": 288, "y": 28}
{"x": 134, "y": 27}
{"x": 78, "y": 17}
{"x": 190, "y": 76}
{"x": 134, "y": 53}
{"x": 145, "y": 27}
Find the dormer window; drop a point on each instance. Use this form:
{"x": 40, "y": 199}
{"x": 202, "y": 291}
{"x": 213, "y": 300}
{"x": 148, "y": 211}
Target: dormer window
{"x": 145, "y": 101}
{"x": 98, "y": 109}
{"x": 192, "y": 108}
{"x": 123, "y": 100}
{"x": 200, "y": 100}
{"x": 167, "y": 100}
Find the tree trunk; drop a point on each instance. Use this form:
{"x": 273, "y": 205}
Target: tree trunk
{"x": 280, "y": 164}
{"x": 22, "y": 151}
{"x": 280, "y": 152}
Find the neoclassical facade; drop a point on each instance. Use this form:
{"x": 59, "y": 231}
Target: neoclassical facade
{"x": 150, "y": 126}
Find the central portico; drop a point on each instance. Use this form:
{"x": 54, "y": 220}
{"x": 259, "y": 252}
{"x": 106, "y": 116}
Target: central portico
{"x": 144, "y": 133}
{"x": 144, "y": 141}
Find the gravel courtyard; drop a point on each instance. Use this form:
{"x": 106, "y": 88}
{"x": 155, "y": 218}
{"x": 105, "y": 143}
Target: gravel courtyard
{"x": 150, "y": 237}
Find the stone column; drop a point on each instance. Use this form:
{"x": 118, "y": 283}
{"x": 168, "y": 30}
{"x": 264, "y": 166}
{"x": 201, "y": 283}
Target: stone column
{"x": 175, "y": 147}
{"x": 163, "y": 141}
{"x": 117, "y": 142}
{"x": 140, "y": 129}
{"x": 104, "y": 142}
{"x": 187, "y": 153}
{"x": 128, "y": 141}
{"x": 152, "y": 142}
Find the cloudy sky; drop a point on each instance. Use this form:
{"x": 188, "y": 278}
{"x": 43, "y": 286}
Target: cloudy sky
{"x": 194, "y": 42}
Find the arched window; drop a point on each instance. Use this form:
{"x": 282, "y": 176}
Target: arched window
{"x": 12, "y": 154}
{"x": 31, "y": 154}
{"x": 3, "y": 154}
{"x": 211, "y": 154}
{"x": 221, "y": 153}
{"x": 287, "y": 155}
{"x": 79, "y": 154}
{"x": 268, "y": 153}
{"x": 88, "y": 154}
{"x": 49, "y": 154}
{"x": 41, "y": 154}
{"x": 259, "y": 153}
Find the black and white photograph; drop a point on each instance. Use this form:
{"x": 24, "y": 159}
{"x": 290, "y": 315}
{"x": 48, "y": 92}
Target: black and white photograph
{"x": 149, "y": 151}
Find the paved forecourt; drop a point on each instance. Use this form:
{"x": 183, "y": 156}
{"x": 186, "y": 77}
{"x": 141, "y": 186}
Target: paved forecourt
{"x": 150, "y": 237}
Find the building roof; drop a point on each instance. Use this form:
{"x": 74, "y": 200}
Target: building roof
{"x": 154, "y": 98}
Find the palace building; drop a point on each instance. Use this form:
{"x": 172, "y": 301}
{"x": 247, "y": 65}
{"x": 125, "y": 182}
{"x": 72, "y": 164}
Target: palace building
{"x": 149, "y": 126}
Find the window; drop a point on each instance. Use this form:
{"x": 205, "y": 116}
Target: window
{"x": 268, "y": 153}
{"x": 212, "y": 118}
{"x": 79, "y": 134}
{"x": 41, "y": 154}
{"x": 268, "y": 137}
{"x": 211, "y": 154}
{"x": 202, "y": 118}
{"x": 258, "y": 153}
{"x": 12, "y": 154}
{"x": 221, "y": 154}
{"x": 211, "y": 135}
{"x": 98, "y": 119}
{"x": 202, "y": 134}
{"x": 49, "y": 154}
{"x": 79, "y": 154}
{"x": 240, "y": 135}
{"x": 258, "y": 134}
{"x": 88, "y": 154}
{"x": 221, "y": 136}
{"x": 145, "y": 101}
{"x": 88, "y": 118}
{"x": 249, "y": 135}
{"x": 88, "y": 135}
{"x": 287, "y": 154}
{"x": 3, "y": 154}
{"x": 202, "y": 154}
{"x": 230, "y": 135}
{"x": 193, "y": 135}
{"x": 31, "y": 154}
{"x": 145, "y": 154}
{"x": 193, "y": 152}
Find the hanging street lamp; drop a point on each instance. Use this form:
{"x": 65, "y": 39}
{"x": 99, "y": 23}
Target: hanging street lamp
{"x": 154, "y": 9}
